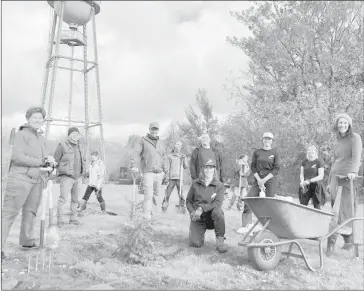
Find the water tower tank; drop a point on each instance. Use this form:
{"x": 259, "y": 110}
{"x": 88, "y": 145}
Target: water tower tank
{"x": 76, "y": 12}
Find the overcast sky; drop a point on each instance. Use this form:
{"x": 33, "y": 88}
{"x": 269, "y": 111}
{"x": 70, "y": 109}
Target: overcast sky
{"x": 153, "y": 56}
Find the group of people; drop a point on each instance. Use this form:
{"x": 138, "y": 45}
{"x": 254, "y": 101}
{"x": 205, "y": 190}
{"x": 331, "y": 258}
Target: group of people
{"x": 24, "y": 184}
{"x": 205, "y": 197}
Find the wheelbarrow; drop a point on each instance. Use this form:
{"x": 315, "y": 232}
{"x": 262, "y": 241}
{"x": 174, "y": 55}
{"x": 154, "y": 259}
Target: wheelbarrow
{"x": 282, "y": 219}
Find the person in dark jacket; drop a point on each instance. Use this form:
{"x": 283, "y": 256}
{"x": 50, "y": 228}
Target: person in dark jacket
{"x": 24, "y": 184}
{"x": 202, "y": 154}
{"x": 204, "y": 202}
{"x": 71, "y": 166}
{"x": 265, "y": 167}
{"x": 311, "y": 175}
{"x": 175, "y": 160}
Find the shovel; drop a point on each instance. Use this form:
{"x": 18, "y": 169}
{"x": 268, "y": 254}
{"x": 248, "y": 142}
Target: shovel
{"x": 133, "y": 202}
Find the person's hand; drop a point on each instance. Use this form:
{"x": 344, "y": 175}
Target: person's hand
{"x": 328, "y": 188}
{"x": 135, "y": 170}
{"x": 306, "y": 182}
{"x": 49, "y": 160}
{"x": 351, "y": 176}
{"x": 198, "y": 213}
{"x": 261, "y": 182}
{"x": 302, "y": 184}
{"x": 213, "y": 196}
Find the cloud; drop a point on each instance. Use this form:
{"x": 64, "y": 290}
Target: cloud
{"x": 153, "y": 56}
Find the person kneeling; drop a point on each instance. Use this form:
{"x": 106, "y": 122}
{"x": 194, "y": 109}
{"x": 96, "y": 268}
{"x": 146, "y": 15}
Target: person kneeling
{"x": 204, "y": 202}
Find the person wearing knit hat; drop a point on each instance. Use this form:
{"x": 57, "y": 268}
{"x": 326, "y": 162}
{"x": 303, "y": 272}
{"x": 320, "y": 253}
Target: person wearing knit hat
{"x": 73, "y": 129}
{"x": 347, "y": 154}
{"x": 23, "y": 190}
{"x": 71, "y": 167}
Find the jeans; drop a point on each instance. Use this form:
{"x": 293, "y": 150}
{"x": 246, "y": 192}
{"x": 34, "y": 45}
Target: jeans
{"x": 172, "y": 183}
{"x": 235, "y": 192}
{"x": 152, "y": 187}
{"x": 68, "y": 186}
{"x": 209, "y": 220}
{"x": 21, "y": 195}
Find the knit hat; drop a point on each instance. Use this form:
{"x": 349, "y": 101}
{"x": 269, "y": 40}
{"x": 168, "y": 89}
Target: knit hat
{"x": 346, "y": 116}
{"x": 72, "y": 129}
{"x": 33, "y": 110}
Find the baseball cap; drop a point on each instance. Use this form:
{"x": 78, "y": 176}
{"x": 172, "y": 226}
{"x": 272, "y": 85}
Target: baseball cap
{"x": 268, "y": 135}
{"x": 154, "y": 125}
{"x": 210, "y": 162}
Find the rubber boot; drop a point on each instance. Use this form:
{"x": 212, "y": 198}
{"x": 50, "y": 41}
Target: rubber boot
{"x": 220, "y": 245}
{"x": 246, "y": 218}
{"x": 82, "y": 204}
{"x": 330, "y": 246}
{"x": 165, "y": 205}
{"x": 348, "y": 242}
{"x": 102, "y": 206}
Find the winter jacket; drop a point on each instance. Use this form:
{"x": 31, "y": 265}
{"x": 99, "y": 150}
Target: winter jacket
{"x": 29, "y": 152}
{"x": 195, "y": 166}
{"x": 200, "y": 196}
{"x": 152, "y": 155}
{"x": 174, "y": 165}
{"x": 65, "y": 158}
{"x": 97, "y": 174}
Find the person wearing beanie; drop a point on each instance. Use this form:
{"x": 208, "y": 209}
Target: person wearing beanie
{"x": 152, "y": 154}
{"x": 71, "y": 166}
{"x": 24, "y": 186}
{"x": 347, "y": 154}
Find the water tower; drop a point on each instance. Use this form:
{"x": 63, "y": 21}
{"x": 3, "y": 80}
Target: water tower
{"x": 77, "y": 15}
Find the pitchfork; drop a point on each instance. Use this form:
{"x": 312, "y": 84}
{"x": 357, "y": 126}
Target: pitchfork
{"x": 41, "y": 256}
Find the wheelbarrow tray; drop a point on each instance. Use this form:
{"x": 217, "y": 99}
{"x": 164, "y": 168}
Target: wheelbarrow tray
{"x": 290, "y": 220}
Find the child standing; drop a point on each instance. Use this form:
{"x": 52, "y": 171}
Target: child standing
{"x": 96, "y": 179}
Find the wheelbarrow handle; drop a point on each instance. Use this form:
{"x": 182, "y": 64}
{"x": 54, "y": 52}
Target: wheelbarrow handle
{"x": 344, "y": 176}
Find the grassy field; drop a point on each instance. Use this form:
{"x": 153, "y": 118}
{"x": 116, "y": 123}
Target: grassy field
{"x": 89, "y": 256}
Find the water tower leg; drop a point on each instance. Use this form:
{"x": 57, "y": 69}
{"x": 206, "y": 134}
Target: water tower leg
{"x": 48, "y": 64}
{"x": 103, "y": 156}
{"x": 54, "y": 73}
{"x": 71, "y": 87}
{"x": 86, "y": 97}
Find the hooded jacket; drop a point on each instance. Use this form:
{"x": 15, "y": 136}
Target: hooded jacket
{"x": 201, "y": 196}
{"x": 29, "y": 152}
{"x": 152, "y": 155}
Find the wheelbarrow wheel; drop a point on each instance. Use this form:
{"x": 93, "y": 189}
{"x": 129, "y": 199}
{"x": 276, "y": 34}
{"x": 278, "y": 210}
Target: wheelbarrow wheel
{"x": 265, "y": 258}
